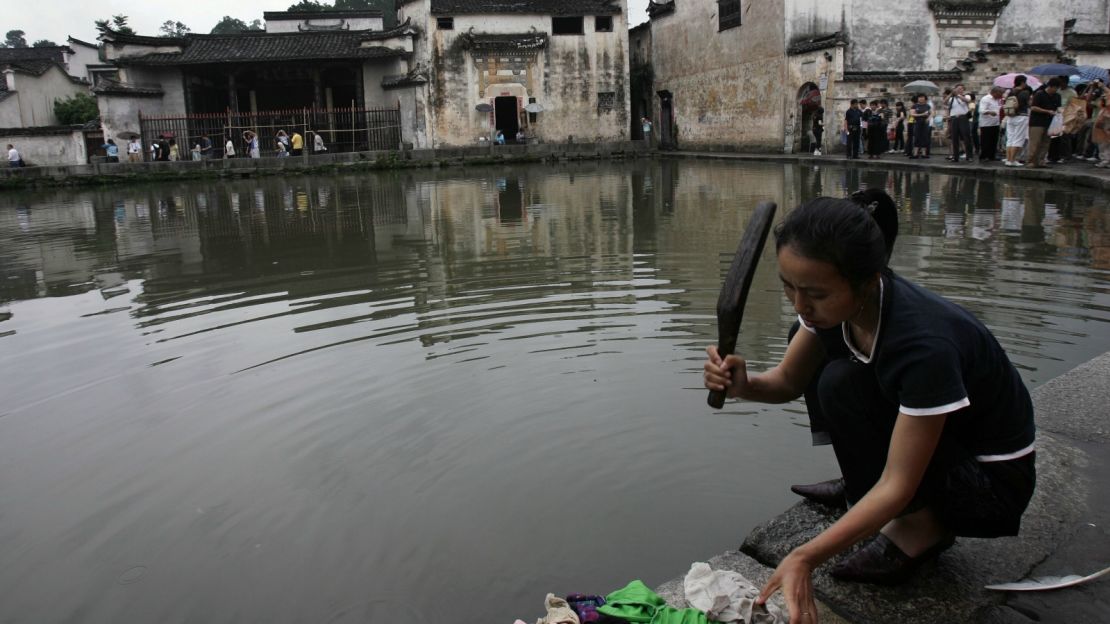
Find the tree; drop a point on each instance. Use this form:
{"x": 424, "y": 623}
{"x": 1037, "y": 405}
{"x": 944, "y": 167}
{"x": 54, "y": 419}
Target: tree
{"x": 356, "y": 5}
{"x": 231, "y": 25}
{"x": 118, "y": 23}
{"x": 15, "y": 39}
{"x": 309, "y": 6}
{"x": 79, "y": 109}
{"x": 44, "y": 43}
{"x": 171, "y": 28}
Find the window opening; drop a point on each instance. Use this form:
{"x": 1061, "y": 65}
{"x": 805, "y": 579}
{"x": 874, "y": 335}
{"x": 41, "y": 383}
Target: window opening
{"x": 566, "y": 25}
{"x": 603, "y": 23}
{"x": 445, "y": 23}
{"x": 728, "y": 12}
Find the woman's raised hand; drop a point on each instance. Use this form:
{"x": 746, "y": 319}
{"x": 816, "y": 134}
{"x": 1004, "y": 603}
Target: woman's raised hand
{"x": 729, "y": 374}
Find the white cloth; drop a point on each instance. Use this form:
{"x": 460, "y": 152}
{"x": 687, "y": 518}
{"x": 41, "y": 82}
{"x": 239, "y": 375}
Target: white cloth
{"x": 1017, "y": 131}
{"x": 13, "y": 156}
{"x": 726, "y": 596}
{"x": 989, "y": 105}
{"x": 229, "y": 149}
{"x": 558, "y": 612}
{"x": 134, "y": 147}
{"x": 318, "y": 144}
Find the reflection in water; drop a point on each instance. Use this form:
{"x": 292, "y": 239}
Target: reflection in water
{"x": 323, "y": 398}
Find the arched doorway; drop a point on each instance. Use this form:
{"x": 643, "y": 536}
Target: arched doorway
{"x": 809, "y": 100}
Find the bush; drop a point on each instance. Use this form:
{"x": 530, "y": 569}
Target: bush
{"x": 79, "y": 109}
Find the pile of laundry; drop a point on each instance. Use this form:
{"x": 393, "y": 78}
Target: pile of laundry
{"x": 713, "y": 595}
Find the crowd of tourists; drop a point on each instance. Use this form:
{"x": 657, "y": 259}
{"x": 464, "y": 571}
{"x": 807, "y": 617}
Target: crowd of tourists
{"x": 1055, "y": 123}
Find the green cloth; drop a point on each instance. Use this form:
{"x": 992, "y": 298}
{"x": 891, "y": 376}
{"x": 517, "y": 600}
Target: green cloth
{"x": 637, "y": 603}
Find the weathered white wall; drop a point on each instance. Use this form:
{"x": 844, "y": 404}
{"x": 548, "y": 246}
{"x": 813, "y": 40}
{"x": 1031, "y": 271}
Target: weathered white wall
{"x": 1042, "y": 21}
{"x": 37, "y": 94}
{"x": 80, "y": 61}
{"x": 293, "y": 25}
{"x": 372, "y": 75}
{"x": 49, "y": 149}
{"x": 9, "y": 113}
{"x": 121, "y": 114}
{"x": 565, "y": 77}
{"x": 904, "y": 36}
{"x": 1098, "y": 59}
{"x": 727, "y": 86}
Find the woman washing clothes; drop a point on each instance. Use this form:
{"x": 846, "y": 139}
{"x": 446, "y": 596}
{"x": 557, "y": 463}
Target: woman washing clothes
{"x": 930, "y": 422}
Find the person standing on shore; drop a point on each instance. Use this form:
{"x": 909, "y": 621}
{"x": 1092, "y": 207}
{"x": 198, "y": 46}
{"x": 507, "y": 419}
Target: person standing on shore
{"x": 1045, "y": 103}
{"x": 818, "y": 130}
{"x": 959, "y": 125}
{"x": 229, "y": 149}
{"x": 1100, "y": 131}
{"x": 990, "y": 123}
{"x": 853, "y": 119}
{"x": 112, "y": 150}
{"x": 1017, "y": 121}
{"x": 205, "y": 147}
{"x": 899, "y": 127}
{"x": 135, "y": 150}
{"x": 298, "y": 143}
{"x": 14, "y": 159}
{"x": 922, "y": 128}
{"x": 645, "y": 125}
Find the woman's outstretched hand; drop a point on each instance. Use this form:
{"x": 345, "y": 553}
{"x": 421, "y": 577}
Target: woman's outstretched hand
{"x": 794, "y": 577}
{"x": 729, "y": 374}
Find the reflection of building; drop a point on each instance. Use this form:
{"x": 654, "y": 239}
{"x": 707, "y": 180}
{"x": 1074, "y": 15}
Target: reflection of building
{"x": 485, "y": 66}
{"x": 740, "y": 73}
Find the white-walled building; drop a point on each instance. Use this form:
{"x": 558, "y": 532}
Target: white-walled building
{"x": 748, "y": 74}
{"x": 554, "y": 70}
{"x": 31, "y": 80}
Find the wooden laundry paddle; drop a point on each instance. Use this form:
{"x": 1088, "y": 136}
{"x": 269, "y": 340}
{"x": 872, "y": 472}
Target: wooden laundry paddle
{"x": 734, "y": 293}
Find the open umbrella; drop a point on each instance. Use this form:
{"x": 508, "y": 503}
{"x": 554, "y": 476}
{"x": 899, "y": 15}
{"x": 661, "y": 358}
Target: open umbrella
{"x": 922, "y": 86}
{"x": 483, "y": 108}
{"x": 1088, "y": 73}
{"x": 127, "y": 136}
{"x": 1006, "y": 81}
{"x": 534, "y": 107}
{"x": 1054, "y": 69}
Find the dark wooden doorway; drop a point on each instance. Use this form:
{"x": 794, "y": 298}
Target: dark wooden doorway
{"x": 506, "y": 117}
{"x": 666, "y": 121}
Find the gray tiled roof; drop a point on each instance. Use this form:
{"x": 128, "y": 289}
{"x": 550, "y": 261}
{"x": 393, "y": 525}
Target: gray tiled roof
{"x": 526, "y": 7}
{"x": 1081, "y": 41}
{"x": 249, "y": 47}
{"x": 907, "y": 76}
{"x": 54, "y": 54}
{"x": 107, "y": 86}
{"x": 817, "y": 42}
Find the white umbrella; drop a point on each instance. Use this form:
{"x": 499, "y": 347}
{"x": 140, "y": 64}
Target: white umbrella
{"x": 922, "y": 86}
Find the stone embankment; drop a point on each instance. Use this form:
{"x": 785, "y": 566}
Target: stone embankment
{"x": 125, "y": 172}
{"x": 1065, "y": 531}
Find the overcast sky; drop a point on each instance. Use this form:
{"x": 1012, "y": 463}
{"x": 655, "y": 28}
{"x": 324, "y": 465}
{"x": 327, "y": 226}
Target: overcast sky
{"x": 58, "y": 19}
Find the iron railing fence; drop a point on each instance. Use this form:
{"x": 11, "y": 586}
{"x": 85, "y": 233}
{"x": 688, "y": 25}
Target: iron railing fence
{"x": 340, "y": 130}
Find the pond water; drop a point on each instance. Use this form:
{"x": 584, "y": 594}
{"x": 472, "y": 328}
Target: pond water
{"x": 435, "y": 396}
